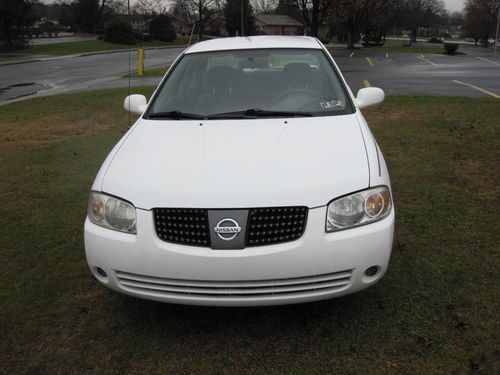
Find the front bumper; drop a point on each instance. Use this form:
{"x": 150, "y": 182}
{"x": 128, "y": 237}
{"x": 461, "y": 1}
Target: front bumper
{"x": 317, "y": 266}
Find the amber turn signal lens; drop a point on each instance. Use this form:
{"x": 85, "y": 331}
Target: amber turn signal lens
{"x": 374, "y": 204}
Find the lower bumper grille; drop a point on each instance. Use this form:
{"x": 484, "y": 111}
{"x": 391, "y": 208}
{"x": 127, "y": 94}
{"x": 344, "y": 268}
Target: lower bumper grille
{"x": 252, "y": 289}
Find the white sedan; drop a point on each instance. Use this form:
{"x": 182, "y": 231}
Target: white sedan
{"x": 250, "y": 178}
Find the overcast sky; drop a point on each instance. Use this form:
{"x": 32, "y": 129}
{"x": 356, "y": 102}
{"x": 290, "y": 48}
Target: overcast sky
{"x": 454, "y": 5}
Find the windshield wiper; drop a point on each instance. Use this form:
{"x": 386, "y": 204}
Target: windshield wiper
{"x": 257, "y": 112}
{"x": 175, "y": 115}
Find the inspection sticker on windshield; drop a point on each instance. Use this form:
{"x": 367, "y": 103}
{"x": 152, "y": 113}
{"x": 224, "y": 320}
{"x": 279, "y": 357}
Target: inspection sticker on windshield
{"x": 331, "y": 104}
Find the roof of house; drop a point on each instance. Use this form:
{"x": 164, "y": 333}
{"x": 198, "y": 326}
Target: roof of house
{"x": 255, "y": 42}
{"x": 277, "y": 20}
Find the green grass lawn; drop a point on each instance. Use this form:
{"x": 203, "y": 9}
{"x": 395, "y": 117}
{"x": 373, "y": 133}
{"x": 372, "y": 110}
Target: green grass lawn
{"x": 435, "y": 311}
{"x": 86, "y": 46}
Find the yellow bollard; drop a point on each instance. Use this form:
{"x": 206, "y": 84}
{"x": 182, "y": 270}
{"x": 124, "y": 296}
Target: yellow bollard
{"x": 140, "y": 70}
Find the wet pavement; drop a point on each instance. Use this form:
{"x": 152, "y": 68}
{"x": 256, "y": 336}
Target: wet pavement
{"x": 476, "y": 73}
{"x": 73, "y": 74}
{"x": 422, "y": 74}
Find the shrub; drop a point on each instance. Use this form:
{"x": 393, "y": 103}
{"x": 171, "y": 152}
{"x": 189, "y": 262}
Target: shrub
{"x": 450, "y": 48}
{"x": 161, "y": 28}
{"x": 143, "y": 37}
{"x": 119, "y": 32}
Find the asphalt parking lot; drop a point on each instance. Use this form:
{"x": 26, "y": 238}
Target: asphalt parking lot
{"x": 475, "y": 73}
{"x": 419, "y": 74}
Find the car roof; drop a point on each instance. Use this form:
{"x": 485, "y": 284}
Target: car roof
{"x": 255, "y": 42}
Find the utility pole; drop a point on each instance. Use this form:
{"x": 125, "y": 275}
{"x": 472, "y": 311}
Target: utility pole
{"x": 242, "y": 17}
{"x": 498, "y": 24}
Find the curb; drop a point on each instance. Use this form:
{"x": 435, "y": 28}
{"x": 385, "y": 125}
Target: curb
{"x": 16, "y": 62}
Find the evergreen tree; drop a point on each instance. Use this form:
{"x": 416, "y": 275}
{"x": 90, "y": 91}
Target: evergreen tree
{"x": 87, "y": 15}
{"x": 15, "y": 18}
{"x": 233, "y": 14}
{"x": 289, "y": 8}
{"x": 161, "y": 28}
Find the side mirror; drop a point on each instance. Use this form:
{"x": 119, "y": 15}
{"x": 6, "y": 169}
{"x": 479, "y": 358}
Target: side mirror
{"x": 135, "y": 104}
{"x": 369, "y": 96}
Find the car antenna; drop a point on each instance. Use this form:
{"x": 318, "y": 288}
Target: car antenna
{"x": 128, "y": 12}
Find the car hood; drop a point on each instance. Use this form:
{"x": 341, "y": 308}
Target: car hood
{"x": 239, "y": 163}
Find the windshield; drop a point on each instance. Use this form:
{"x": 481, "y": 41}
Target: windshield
{"x": 251, "y": 83}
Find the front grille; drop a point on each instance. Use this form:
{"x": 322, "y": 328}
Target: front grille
{"x": 224, "y": 290}
{"x": 268, "y": 226}
{"x": 185, "y": 226}
{"x": 265, "y": 226}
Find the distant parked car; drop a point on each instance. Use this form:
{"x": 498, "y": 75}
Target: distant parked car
{"x": 491, "y": 42}
{"x": 435, "y": 39}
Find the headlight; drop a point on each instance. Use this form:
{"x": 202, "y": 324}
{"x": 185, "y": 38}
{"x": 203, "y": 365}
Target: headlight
{"x": 112, "y": 213}
{"x": 358, "y": 208}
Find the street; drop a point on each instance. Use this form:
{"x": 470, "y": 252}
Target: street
{"x": 69, "y": 74}
{"x": 470, "y": 74}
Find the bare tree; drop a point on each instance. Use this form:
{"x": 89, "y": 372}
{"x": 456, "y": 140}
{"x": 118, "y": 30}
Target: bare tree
{"x": 372, "y": 17}
{"x": 106, "y": 7}
{"x": 314, "y": 12}
{"x": 480, "y": 19}
{"x": 350, "y": 14}
{"x": 420, "y": 13}
{"x": 89, "y": 14}
{"x": 151, "y": 7}
{"x": 198, "y": 12}
{"x": 264, "y": 6}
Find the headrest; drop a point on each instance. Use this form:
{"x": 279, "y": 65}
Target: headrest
{"x": 297, "y": 70}
{"x": 222, "y": 76}
{"x": 298, "y": 75}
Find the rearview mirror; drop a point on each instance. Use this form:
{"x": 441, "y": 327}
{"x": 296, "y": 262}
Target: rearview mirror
{"x": 135, "y": 104}
{"x": 369, "y": 96}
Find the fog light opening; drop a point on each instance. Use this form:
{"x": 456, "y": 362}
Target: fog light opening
{"x": 371, "y": 271}
{"x": 101, "y": 272}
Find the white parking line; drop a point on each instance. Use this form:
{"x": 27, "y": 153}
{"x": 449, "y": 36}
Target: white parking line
{"x": 351, "y": 55}
{"x": 491, "y": 62}
{"x": 421, "y": 57}
{"x": 477, "y": 88}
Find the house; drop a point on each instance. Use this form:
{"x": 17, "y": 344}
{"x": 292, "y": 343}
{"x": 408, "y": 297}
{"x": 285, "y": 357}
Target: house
{"x": 271, "y": 24}
{"x": 46, "y": 26}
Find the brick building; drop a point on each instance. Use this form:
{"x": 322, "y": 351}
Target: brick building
{"x": 277, "y": 25}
